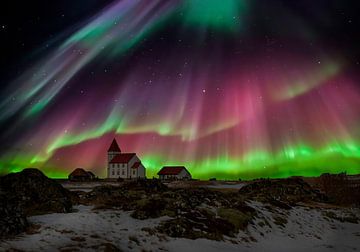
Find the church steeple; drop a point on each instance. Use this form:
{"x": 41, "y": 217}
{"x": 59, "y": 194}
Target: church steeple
{"x": 113, "y": 150}
{"x": 114, "y": 147}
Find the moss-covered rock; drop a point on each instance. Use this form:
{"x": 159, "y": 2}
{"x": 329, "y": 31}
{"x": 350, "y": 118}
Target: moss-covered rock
{"x": 36, "y": 193}
{"x": 239, "y": 219}
{"x": 148, "y": 208}
{"x": 282, "y": 192}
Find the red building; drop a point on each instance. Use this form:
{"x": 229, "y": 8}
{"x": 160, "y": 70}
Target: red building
{"x": 174, "y": 173}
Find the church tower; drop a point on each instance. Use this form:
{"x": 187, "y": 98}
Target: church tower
{"x": 112, "y": 152}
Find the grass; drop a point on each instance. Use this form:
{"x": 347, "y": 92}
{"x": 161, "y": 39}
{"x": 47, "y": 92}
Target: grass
{"x": 351, "y": 218}
{"x": 239, "y": 219}
{"x": 280, "y": 221}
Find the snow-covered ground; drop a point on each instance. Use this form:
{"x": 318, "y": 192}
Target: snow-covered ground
{"x": 86, "y": 186}
{"x": 226, "y": 186}
{"x": 93, "y": 230}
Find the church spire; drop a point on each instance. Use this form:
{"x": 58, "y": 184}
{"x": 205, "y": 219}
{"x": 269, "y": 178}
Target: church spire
{"x": 114, "y": 147}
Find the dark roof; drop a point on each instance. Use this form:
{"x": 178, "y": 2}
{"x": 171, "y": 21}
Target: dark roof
{"x": 91, "y": 174}
{"x": 122, "y": 158}
{"x": 114, "y": 146}
{"x": 79, "y": 172}
{"x": 171, "y": 170}
{"x": 136, "y": 165}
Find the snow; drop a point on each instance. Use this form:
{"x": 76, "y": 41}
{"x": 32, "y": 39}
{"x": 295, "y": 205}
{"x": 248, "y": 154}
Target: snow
{"x": 226, "y": 186}
{"x": 306, "y": 229}
{"x": 86, "y": 186}
{"x": 86, "y": 229}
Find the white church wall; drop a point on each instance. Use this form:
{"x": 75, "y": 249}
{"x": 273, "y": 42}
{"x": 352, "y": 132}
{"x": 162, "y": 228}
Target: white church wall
{"x": 184, "y": 174}
{"x": 141, "y": 171}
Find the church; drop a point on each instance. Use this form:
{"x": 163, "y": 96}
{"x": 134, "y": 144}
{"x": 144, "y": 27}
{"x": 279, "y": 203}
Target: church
{"x": 123, "y": 165}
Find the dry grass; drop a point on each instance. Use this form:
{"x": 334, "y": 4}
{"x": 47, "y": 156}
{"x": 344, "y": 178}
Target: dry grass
{"x": 33, "y": 229}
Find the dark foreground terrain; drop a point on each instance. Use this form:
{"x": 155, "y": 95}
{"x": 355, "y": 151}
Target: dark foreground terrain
{"x": 38, "y": 213}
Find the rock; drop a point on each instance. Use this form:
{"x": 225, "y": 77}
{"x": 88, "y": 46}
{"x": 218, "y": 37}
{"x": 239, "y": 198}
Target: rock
{"x": 13, "y": 220}
{"x": 239, "y": 219}
{"x": 108, "y": 197}
{"x": 148, "y": 208}
{"x": 282, "y": 192}
{"x": 106, "y": 247}
{"x": 36, "y": 193}
{"x": 195, "y": 227}
{"x": 126, "y": 196}
{"x": 148, "y": 185}
{"x": 193, "y": 209}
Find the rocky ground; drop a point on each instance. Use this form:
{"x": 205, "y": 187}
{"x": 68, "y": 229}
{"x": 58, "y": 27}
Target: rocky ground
{"x": 276, "y": 215}
{"x": 28, "y": 193}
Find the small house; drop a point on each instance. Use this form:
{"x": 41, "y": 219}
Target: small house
{"x": 79, "y": 174}
{"x": 174, "y": 173}
{"x": 92, "y": 175}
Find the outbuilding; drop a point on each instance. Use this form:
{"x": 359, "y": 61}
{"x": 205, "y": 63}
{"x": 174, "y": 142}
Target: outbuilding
{"x": 79, "y": 174}
{"x": 174, "y": 173}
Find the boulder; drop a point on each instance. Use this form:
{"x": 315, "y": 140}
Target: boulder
{"x": 36, "y": 193}
{"x": 282, "y": 192}
{"x": 196, "y": 227}
{"x": 13, "y": 220}
{"x": 149, "y": 208}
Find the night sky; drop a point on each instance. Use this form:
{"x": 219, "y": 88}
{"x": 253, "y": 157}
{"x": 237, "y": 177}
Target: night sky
{"x": 228, "y": 88}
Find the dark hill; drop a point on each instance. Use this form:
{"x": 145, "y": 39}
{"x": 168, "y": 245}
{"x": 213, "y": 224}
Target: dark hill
{"x": 36, "y": 193}
{"x": 289, "y": 191}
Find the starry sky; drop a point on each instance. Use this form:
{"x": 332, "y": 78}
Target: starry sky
{"x": 229, "y": 88}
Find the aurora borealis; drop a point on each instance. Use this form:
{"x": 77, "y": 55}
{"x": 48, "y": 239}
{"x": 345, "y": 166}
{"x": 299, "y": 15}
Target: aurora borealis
{"x": 228, "y": 88}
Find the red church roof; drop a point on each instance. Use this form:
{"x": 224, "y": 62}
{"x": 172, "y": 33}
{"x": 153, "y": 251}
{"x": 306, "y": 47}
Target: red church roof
{"x": 136, "y": 165}
{"x": 114, "y": 146}
{"x": 171, "y": 170}
{"x": 122, "y": 158}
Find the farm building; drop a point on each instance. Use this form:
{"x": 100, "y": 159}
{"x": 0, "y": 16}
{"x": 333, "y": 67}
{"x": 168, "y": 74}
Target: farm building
{"x": 79, "y": 174}
{"x": 174, "y": 173}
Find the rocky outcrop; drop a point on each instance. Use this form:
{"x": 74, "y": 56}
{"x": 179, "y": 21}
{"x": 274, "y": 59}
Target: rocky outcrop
{"x": 12, "y": 218}
{"x": 125, "y": 196}
{"x": 36, "y": 193}
{"x": 196, "y": 212}
{"x": 28, "y": 193}
{"x": 282, "y": 192}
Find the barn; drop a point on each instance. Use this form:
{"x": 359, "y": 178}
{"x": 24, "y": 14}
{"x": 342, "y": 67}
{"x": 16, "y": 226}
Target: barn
{"x": 79, "y": 174}
{"x": 174, "y": 173}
